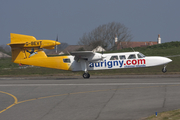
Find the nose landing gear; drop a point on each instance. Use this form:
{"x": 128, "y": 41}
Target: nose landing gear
{"x": 164, "y": 69}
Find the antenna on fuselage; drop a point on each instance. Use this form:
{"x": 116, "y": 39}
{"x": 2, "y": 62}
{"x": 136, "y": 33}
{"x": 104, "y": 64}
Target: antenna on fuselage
{"x": 68, "y": 52}
{"x": 132, "y": 49}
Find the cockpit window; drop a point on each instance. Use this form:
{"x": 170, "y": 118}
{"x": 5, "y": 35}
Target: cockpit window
{"x": 66, "y": 60}
{"x": 132, "y": 56}
{"x": 140, "y": 55}
{"x": 114, "y": 58}
{"x": 122, "y": 57}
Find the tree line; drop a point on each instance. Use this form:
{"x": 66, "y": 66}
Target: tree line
{"x": 104, "y": 36}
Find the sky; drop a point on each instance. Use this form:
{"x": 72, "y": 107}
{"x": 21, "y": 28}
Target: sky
{"x": 70, "y": 19}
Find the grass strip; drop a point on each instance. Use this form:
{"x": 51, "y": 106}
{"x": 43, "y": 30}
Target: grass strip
{"x": 169, "y": 115}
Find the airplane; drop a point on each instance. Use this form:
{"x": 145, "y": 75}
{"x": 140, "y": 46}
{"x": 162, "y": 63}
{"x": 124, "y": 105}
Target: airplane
{"x": 26, "y": 50}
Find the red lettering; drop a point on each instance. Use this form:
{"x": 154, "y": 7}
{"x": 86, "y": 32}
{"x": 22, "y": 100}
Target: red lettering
{"x": 141, "y": 61}
{"x": 134, "y": 62}
{"x": 128, "y": 62}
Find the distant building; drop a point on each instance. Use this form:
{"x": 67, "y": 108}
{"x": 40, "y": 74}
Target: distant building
{"x": 3, "y": 55}
{"x": 98, "y": 49}
{"x": 71, "y": 48}
{"x": 121, "y": 45}
{"x": 159, "y": 39}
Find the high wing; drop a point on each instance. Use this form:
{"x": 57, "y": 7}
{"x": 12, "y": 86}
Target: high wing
{"x": 82, "y": 54}
{"x": 87, "y": 55}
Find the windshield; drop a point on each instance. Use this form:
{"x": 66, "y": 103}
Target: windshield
{"x": 140, "y": 55}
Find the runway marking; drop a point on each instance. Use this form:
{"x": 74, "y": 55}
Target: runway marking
{"x": 41, "y": 98}
{"x": 88, "y": 84}
{"x": 16, "y": 100}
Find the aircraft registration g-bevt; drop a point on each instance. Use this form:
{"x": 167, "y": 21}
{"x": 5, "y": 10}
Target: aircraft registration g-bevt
{"x": 26, "y": 50}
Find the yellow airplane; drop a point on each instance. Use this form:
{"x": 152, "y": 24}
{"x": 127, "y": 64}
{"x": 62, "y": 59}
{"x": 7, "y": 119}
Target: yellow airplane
{"x": 26, "y": 50}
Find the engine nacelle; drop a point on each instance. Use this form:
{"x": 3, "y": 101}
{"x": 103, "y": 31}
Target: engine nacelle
{"x": 48, "y": 44}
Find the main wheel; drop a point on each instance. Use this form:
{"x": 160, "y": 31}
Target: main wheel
{"x": 86, "y": 75}
{"x": 164, "y": 70}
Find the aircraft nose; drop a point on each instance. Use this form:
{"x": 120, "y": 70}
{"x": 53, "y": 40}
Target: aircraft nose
{"x": 167, "y": 60}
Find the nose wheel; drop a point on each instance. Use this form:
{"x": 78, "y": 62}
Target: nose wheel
{"x": 86, "y": 75}
{"x": 164, "y": 69}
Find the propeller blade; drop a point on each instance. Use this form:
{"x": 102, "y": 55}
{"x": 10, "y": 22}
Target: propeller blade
{"x": 57, "y": 38}
{"x": 56, "y": 41}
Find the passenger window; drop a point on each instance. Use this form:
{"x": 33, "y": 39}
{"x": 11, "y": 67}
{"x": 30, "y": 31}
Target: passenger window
{"x": 122, "y": 57}
{"x": 114, "y": 58}
{"x": 66, "y": 60}
{"x": 132, "y": 56}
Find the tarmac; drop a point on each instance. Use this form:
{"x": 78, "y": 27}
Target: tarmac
{"x": 120, "y": 97}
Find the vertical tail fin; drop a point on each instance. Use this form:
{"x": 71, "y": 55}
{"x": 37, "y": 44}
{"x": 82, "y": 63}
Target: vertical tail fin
{"x": 28, "y": 51}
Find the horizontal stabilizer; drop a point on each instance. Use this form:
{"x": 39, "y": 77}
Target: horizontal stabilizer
{"x": 20, "y": 39}
{"x": 16, "y": 43}
{"x": 26, "y": 41}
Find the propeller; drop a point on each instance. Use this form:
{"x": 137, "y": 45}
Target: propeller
{"x": 56, "y": 41}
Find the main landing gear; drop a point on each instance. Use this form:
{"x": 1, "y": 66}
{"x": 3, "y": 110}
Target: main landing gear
{"x": 86, "y": 75}
{"x": 164, "y": 69}
{"x": 84, "y": 65}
